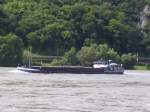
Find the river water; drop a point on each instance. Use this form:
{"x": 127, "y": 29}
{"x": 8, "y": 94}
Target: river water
{"x": 25, "y": 92}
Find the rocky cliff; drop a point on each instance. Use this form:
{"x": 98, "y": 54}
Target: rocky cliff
{"x": 144, "y": 16}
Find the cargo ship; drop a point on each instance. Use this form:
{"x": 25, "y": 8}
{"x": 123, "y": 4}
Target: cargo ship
{"x": 99, "y": 67}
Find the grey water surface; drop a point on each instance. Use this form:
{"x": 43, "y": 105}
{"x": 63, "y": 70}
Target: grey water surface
{"x": 25, "y": 92}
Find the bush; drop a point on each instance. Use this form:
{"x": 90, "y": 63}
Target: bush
{"x": 11, "y": 49}
{"x": 87, "y": 55}
{"x": 148, "y": 66}
{"x": 104, "y": 52}
{"x": 128, "y": 60}
{"x": 70, "y": 57}
{"x": 94, "y": 52}
{"x": 58, "y": 62}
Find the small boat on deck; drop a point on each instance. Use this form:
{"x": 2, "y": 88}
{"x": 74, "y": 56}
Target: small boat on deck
{"x": 99, "y": 67}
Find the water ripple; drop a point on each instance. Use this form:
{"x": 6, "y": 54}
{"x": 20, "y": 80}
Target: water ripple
{"x": 21, "y": 92}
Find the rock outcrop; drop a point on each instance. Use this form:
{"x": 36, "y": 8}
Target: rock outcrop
{"x": 144, "y": 18}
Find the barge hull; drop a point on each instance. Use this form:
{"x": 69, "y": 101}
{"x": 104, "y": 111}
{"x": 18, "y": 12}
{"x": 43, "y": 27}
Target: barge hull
{"x": 68, "y": 69}
{"x": 74, "y": 70}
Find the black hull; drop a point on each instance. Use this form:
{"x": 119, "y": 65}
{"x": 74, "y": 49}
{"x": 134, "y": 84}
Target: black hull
{"x": 74, "y": 70}
{"x": 67, "y": 69}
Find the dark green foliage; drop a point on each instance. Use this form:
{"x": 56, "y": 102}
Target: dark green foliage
{"x": 11, "y": 48}
{"x": 88, "y": 54}
{"x": 52, "y": 27}
{"x": 105, "y": 52}
{"x": 146, "y": 40}
{"x": 4, "y": 23}
{"x": 148, "y": 66}
{"x": 71, "y": 57}
{"x": 46, "y": 25}
{"x": 94, "y": 52}
{"x": 128, "y": 60}
{"x": 147, "y": 2}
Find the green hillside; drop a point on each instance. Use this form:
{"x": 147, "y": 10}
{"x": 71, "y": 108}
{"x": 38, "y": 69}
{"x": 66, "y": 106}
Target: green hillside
{"x": 53, "y": 27}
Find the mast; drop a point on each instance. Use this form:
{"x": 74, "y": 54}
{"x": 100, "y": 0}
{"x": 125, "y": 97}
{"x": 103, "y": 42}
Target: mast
{"x": 30, "y": 57}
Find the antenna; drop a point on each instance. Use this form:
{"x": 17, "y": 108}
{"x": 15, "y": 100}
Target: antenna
{"x": 30, "y": 57}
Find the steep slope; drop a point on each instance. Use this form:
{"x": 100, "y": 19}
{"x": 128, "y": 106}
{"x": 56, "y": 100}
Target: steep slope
{"x": 144, "y": 16}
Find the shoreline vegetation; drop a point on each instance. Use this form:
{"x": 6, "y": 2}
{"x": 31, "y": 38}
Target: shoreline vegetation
{"x": 74, "y": 32}
{"x": 83, "y": 57}
{"x": 70, "y": 59}
{"x": 142, "y": 67}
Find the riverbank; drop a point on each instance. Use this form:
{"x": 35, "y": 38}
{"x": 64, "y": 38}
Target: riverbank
{"x": 142, "y": 67}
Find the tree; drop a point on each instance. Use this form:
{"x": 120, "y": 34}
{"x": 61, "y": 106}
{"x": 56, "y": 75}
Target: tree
{"x": 87, "y": 55}
{"x": 63, "y": 24}
{"x": 4, "y": 23}
{"x": 94, "y": 52}
{"x": 103, "y": 51}
{"x": 70, "y": 57}
{"x": 11, "y": 48}
{"x": 128, "y": 60}
{"x": 146, "y": 40}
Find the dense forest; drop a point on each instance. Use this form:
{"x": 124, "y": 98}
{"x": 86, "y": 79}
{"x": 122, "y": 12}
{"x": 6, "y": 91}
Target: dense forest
{"x": 60, "y": 27}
